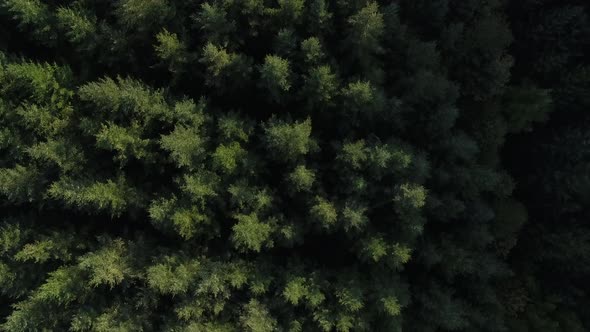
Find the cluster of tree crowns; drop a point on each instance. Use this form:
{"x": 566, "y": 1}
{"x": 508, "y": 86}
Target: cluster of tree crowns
{"x": 294, "y": 165}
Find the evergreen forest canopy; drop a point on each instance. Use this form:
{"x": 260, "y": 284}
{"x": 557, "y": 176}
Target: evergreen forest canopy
{"x": 294, "y": 165}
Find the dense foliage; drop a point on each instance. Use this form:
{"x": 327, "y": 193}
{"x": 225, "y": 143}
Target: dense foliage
{"x": 291, "y": 165}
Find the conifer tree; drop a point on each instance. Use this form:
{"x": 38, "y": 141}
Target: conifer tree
{"x": 291, "y": 165}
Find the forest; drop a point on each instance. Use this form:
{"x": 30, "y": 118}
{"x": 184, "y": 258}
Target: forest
{"x": 295, "y": 165}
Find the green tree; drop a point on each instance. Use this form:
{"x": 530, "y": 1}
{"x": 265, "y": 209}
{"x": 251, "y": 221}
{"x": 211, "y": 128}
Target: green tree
{"x": 329, "y": 165}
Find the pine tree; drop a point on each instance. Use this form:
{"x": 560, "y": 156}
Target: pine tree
{"x": 292, "y": 166}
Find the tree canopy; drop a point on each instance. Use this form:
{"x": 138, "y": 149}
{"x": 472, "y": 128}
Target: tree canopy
{"x": 291, "y": 165}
